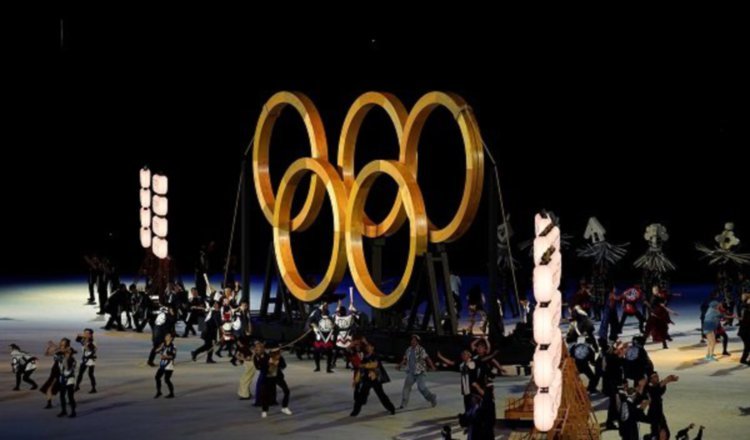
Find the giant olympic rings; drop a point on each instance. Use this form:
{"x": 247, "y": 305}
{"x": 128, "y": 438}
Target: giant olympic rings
{"x": 348, "y": 192}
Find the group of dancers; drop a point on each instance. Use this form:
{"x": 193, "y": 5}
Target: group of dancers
{"x": 66, "y": 375}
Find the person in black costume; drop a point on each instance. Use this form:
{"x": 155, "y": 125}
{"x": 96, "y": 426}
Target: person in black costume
{"x": 372, "y": 375}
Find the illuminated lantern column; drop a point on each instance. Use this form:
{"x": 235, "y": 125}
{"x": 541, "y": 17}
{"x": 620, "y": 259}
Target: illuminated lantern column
{"x": 547, "y": 334}
{"x": 159, "y": 218}
{"x": 145, "y": 195}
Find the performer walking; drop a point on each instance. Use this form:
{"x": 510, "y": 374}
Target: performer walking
{"x": 52, "y": 385}
{"x": 196, "y": 312}
{"x": 23, "y": 365}
{"x": 710, "y": 325}
{"x": 468, "y": 369}
{"x": 416, "y": 361}
{"x": 166, "y": 365}
{"x": 209, "y": 334}
{"x": 88, "y": 358}
{"x": 67, "y": 366}
{"x": 271, "y": 368}
{"x": 371, "y": 375}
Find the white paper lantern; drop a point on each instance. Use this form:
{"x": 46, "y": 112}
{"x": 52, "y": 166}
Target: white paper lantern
{"x": 544, "y": 371}
{"x": 543, "y": 283}
{"x": 160, "y": 247}
{"x": 159, "y": 226}
{"x": 145, "y": 198}
{"x": 160, "y": 184}
{"x": 544, "y": 416}
{"x": 146, "y": 237}
{"x": 145, "y": 177}
{"x": 540, "y": 223}
{"x": 160, "y": 205}
{"x": 145, "y": 217}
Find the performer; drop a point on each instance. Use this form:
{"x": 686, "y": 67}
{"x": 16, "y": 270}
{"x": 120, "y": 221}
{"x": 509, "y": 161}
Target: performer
{"x": 725, "y": 316}
{"x": 144, "y": 312}
{"x": 582, "y": 298}
{"x": 584, "y": 355}
{"x": 609, "y": 327}
{"x": 241, "y": 327}
{"x": 52, "y": 385}
{"x": 710, "y": 325}
{"x": 416, "y": 361}
{"x": 655, "y": 392}
{"x": 92, "y": 264}
{"x": 88, "y": 358}
{"x": 630, "y": 299}
{"x": 168, "y": 354}
{"x": 613, "y": 377}
{"x": 480, "y": 418}
{"x": 631, "y": 405}
{"x": 582, "y": 325}
{"x": 468, "y": 369}
{"x": 226, "y": 330}
{"x": 245, "y": 356}
{"x": 196, "y": 312}
{"x": 23, "y": 365}
{"x": 659, "y": 319}
{"x": 478, "y": 323}
{"x": 744, "y": 333}
{"x": 209, "y": 334}
{"x": 372, "y": 375}
{"x": 67, "y": 366}
{"x": 164, "y": 325}
{"x": 636, "y": 363}
{"x": 343, "y": 327}
{"x": 271, "y": 367}
{"x": 323, "y": 344}
{"x": 115, "y": 306}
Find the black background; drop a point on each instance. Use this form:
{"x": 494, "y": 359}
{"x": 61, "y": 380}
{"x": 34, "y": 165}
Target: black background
{"x": 635, "y": 120}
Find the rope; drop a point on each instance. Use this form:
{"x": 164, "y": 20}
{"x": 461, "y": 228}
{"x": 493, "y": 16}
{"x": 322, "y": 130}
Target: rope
{"x": 505, "y": 221}
{"x": 234, "y": 217}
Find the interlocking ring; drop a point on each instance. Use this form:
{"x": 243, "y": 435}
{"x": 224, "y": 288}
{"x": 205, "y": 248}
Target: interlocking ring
{"x": 348, "y": 191}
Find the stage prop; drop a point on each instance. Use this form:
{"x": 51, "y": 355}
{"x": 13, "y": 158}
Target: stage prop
{"x": 283, "y": 314}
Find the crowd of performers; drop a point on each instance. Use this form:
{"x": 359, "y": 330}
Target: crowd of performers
{"x": 627, "y": 375}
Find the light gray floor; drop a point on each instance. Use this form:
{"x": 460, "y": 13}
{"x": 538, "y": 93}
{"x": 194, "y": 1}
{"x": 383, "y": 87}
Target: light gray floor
{"x": 207, "y": 405}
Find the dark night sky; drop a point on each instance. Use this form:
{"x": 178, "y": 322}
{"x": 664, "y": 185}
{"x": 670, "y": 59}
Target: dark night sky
{"x": 634, "y": 122}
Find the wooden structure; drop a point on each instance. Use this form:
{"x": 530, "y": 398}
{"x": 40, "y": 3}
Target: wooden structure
{"x": 575, "y": 419}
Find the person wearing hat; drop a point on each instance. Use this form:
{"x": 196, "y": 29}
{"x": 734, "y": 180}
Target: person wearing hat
{"x": 416, "y": 362}
{"x": 88, "y": 358}
{"x": 23, "y": 365}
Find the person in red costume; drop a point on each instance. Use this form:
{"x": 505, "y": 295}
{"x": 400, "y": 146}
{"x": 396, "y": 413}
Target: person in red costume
{"x": 721, "y": 333}
{"x": 659, "y": 318}
{"x": 630, "y": 299}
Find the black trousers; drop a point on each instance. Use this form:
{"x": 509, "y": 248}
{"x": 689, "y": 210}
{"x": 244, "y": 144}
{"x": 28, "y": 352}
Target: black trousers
{"x": 114, "y": 318}
{"x": 167, "y": 374}
{"x": 329, "y": 358}
{"x": 638, "y": 316}
{"x": 467, "y": 402}
{"x": 102, "y": 298}
{"x": 26, "y": 377}
{"x": 208, "y": 345}
{"x": 67, "y": 395}
{"x": 746, "y": 349}
{"x": 612, "y": 413}
{"x": 365, "y": 392}
{"x": 273, "y": 382}
{"x": 92, "y": 286}
{"x": 81, "y": 371}
{"x": 585, "y": 369}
